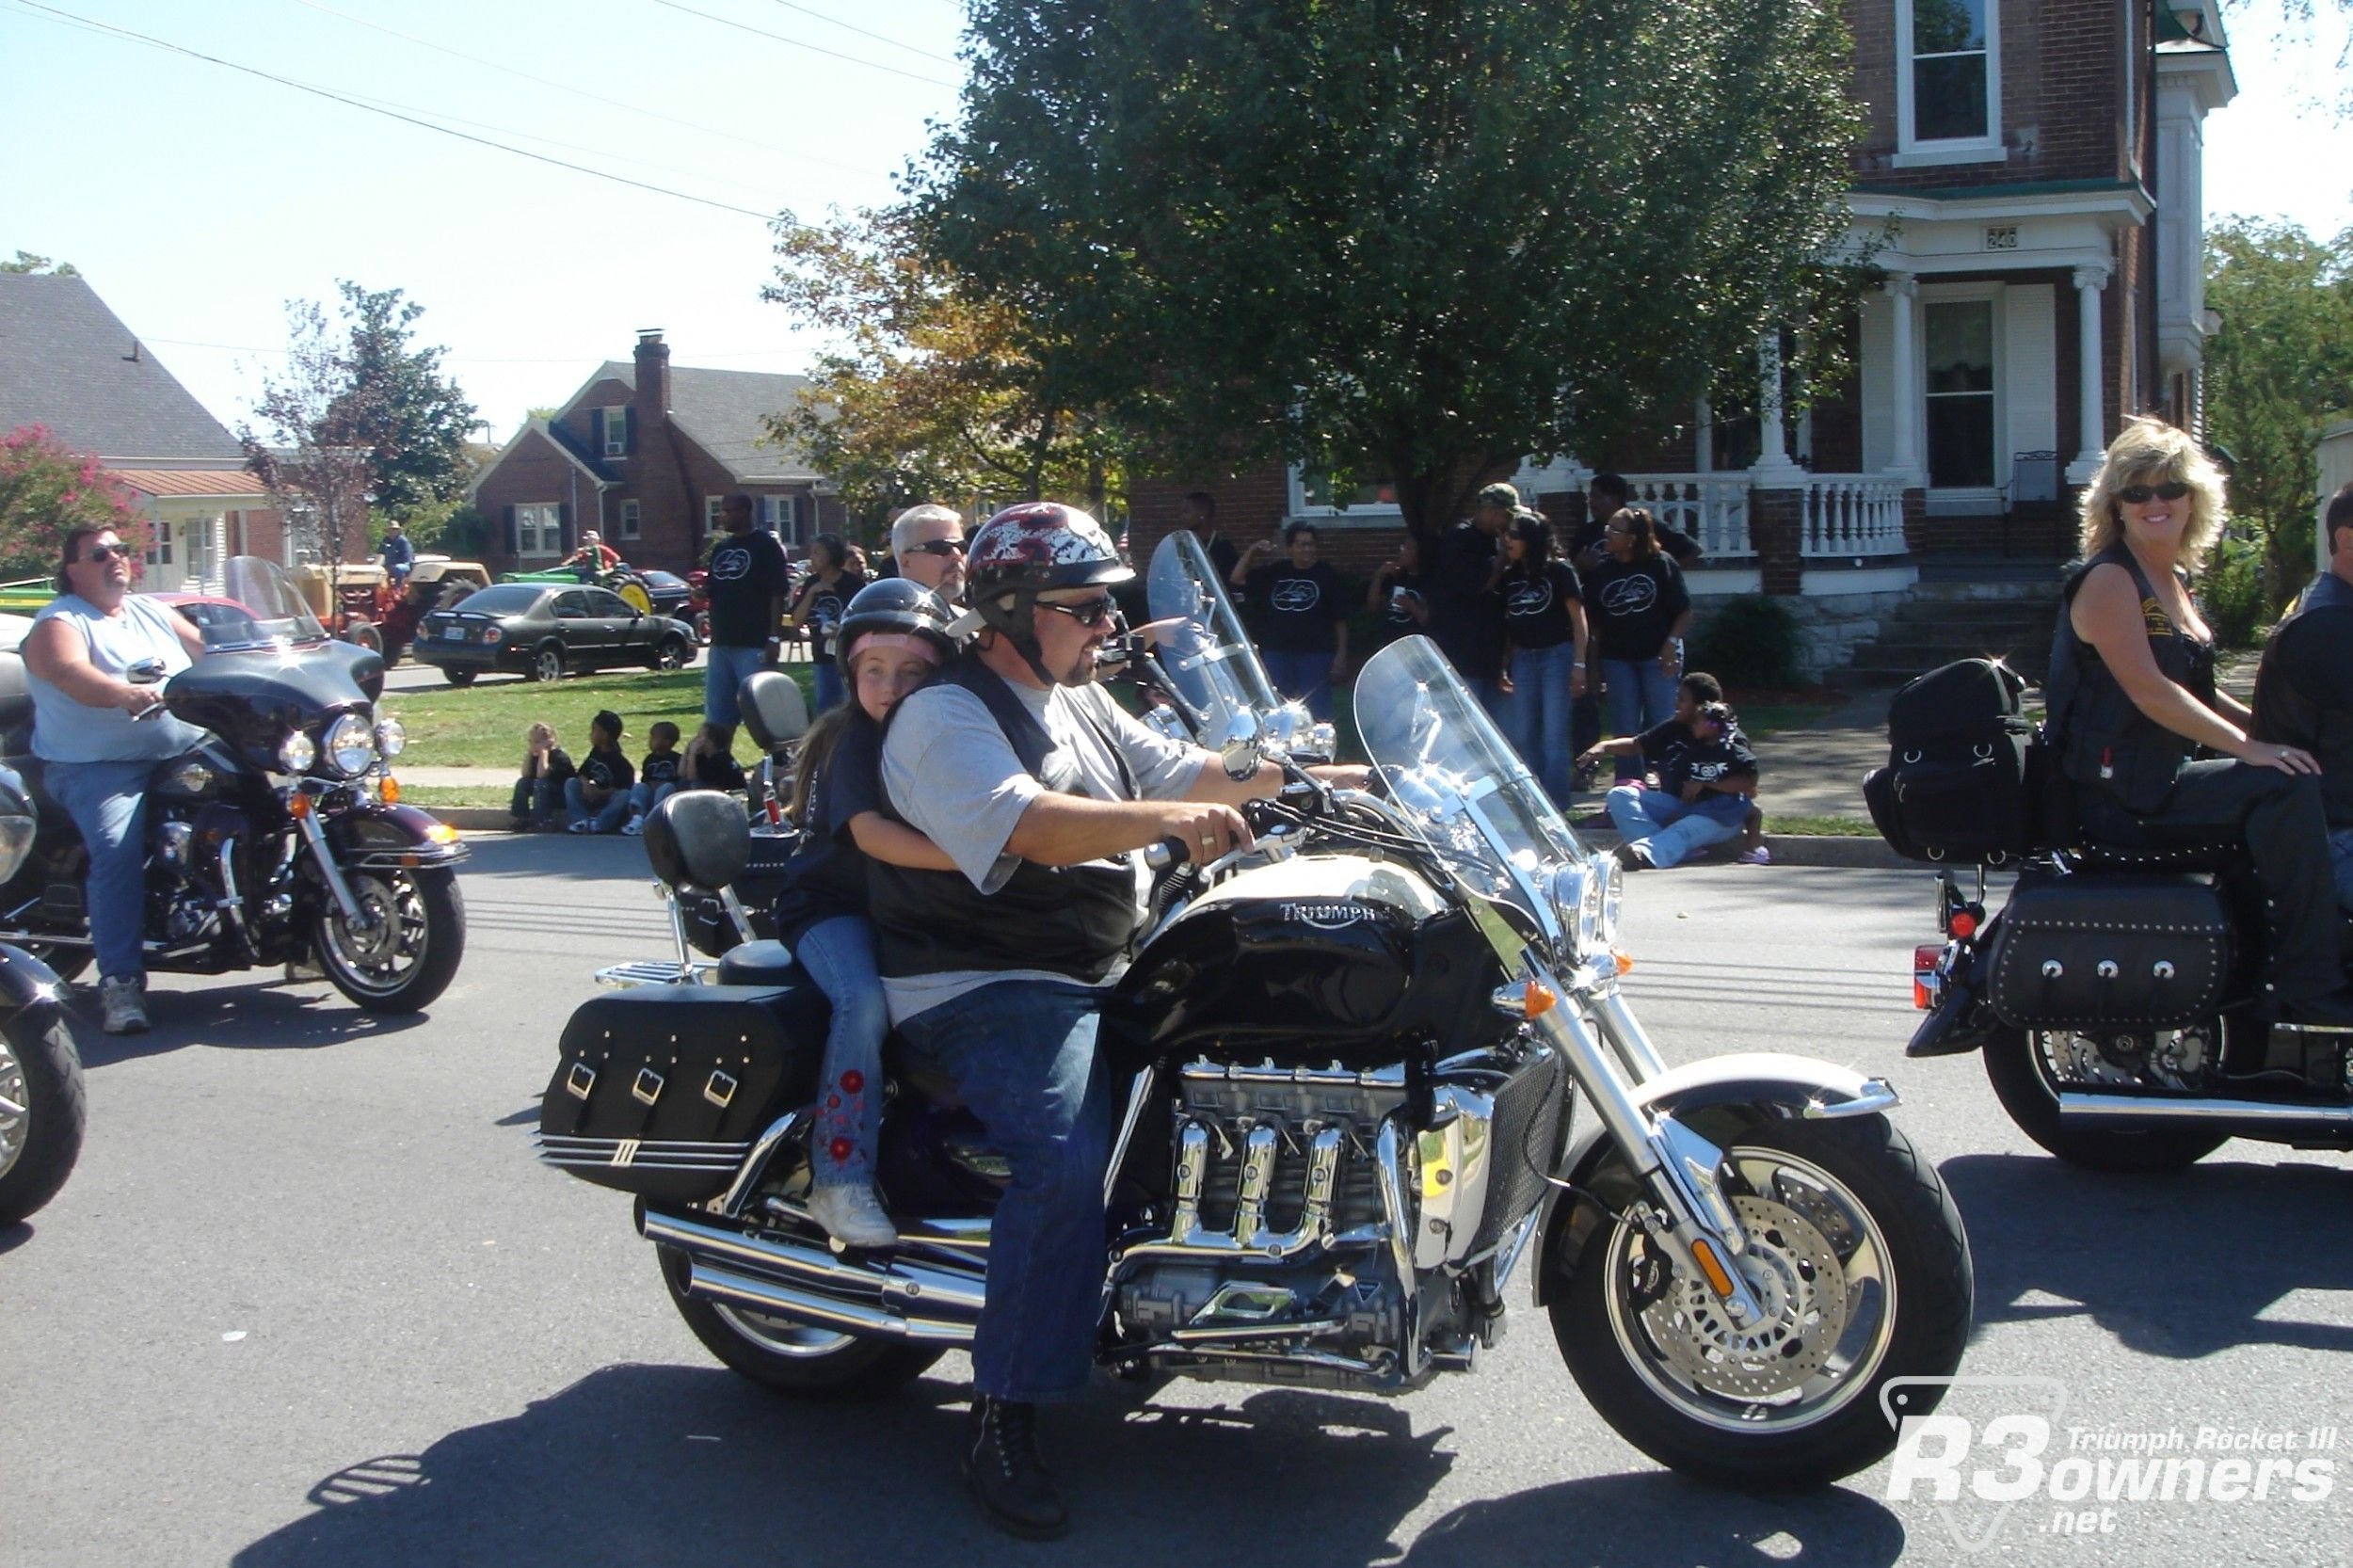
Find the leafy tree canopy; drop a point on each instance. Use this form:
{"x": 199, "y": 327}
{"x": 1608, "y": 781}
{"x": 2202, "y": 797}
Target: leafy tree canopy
{"x": 46, "y": 491}
{"x": 416, "y": 418}
{"x": 27, "y": 262}
{"x": 1419, "y": 236}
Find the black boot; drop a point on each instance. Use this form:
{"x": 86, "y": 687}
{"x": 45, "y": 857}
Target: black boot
{"x": 1007, "y": 1478}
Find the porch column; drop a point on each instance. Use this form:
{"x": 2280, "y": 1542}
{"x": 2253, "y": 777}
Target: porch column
{"x": 1704, "y": 436}
{"x": 2089, "y": 283}
{"x": 1901, "y": 289}
{"x": 1773, "y": 468}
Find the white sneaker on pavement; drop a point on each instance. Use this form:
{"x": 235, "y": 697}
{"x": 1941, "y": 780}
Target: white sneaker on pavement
{"x": 853, "y": 1216}
{"x": 122, "y": 1002}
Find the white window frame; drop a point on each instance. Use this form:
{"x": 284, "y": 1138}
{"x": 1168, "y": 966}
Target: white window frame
{"x": 714, "y": 512}
{"x": 1377, "y": 515}
{"x": 1911, "y": 152}
{"x": 538, "y": 531}
{"x": 616, "y": 423}
{"x": 1972, "y": 501}
{"x": 626, "y": 520}
{"x": 782, "y": 516}
{"x": 199, "y": 542}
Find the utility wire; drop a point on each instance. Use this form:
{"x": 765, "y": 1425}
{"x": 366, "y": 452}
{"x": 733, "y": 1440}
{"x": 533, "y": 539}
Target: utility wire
{"x": 391, "y": 114}
{"x": 797, "y": 44}
{"x": 581, "y": 92}
{"x": 465, "y": 358}
{"x": 805, "y": 11}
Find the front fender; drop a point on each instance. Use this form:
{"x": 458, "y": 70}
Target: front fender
{"x": 373, "y": 835}
{"x": 1745, "y": 1087}
{"x": 26, "y": 984}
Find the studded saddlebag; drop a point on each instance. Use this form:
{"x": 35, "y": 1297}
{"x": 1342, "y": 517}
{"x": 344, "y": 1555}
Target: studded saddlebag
{"x": 662, "y": 1089}
{"x": 2093, "y": 952}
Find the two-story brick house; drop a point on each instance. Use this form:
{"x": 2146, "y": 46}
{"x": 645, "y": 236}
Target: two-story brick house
{"x": 644, "y": 453}
{"x": 2030, "y": 181}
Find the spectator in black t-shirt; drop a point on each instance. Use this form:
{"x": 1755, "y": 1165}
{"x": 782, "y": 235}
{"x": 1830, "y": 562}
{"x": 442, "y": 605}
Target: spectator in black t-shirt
{"x": 2304, "y": 687}
{"x": 1201, "y": 519}
{"x": 1399, "y": 595}
{"x": 539, "y": 792}
{"x": 657, "y": 776}
{"x": 709, "y": 765}
{"x": 1606, "y": 495}
{"x": 1706, "y": 781}
{"x": 1303, "y": 618}
{"x": 747, "y": 580}
{"x": 1544, "y": 631}
{"x": 1638, "y": 608}
{"x": 1466, "y": 615}
{"x": 836, "y": 574}
{"x": 597, "y": 795}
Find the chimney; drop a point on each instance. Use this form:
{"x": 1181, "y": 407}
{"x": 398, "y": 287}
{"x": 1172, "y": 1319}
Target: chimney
{"x": 654, "y": 378}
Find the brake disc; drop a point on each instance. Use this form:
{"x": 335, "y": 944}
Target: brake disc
{"x": 1794, "y": 1273}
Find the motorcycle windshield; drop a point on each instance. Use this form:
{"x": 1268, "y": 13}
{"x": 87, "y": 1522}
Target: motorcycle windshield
{"x": 1208, "y": 655}
{"x": 263, "y": 586}
{"x": 1466, "y": 791}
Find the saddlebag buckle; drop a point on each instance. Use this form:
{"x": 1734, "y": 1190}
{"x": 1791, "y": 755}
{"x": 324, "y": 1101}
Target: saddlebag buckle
{"x": 579, "y": 1081}
{"x": 647, "y": 1088}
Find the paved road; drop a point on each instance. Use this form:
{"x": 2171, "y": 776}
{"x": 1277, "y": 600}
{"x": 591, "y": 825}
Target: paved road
{"x": 309, "y": 1301}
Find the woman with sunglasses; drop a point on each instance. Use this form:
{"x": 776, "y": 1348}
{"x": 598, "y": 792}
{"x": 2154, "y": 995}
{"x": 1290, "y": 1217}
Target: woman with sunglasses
{"x": 80, "y": 659}
{"x": 834, "y": 580}
{"x": 2158, "y": 755}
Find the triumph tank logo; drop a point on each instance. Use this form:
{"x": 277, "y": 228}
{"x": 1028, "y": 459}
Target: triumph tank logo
{"x": 1326, "y": 916}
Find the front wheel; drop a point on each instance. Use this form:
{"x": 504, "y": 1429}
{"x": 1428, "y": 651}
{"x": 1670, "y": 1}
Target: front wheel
{"x": 2028, "y": 1067}
{"x": 794, "y": 1358}
{"x": 1857, "y": 1255}
{"x": 405, "y": 952}
{"x": 364, "y": 634}
{"x": 460, "y": 676}
{"x": 546, "y": 665}
{"x": 42, "y": 1112}
{"x": 671, "y": 653}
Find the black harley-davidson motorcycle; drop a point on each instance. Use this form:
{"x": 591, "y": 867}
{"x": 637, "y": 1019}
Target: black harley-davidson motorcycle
{"x": 1350, "y": 1062}
{"x": 40, "y": 1073}
{"x": 277, "y": 838}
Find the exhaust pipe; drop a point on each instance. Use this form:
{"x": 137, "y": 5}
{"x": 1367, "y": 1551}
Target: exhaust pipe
{"x": 884, "y": 1291}
{"x": 2318, "y": 1124}
{"x": 711, "y": 1282}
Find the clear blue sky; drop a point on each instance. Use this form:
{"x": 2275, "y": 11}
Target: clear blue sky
{"x": 198, "y": 199}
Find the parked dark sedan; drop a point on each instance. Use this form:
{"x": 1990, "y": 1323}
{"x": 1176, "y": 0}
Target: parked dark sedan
{"x": 543, "y": 630}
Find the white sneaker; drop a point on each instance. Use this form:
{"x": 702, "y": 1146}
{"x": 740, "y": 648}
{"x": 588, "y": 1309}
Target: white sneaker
{"x": 123, "y": 1002}
{"x": 853, "y": 1216}
{"x": 633, "y": 828}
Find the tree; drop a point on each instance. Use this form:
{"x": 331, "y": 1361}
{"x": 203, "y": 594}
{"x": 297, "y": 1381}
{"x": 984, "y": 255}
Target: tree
{"x": 2278, "y": 372}
{"x": 46, "y": 491}
{"x": 27, "y": 262}
{"x": 420, "y": 419}
{"x": 313, "y": 454}
{"x": 1413, "y": 240}
{"x": 932, "y": 393}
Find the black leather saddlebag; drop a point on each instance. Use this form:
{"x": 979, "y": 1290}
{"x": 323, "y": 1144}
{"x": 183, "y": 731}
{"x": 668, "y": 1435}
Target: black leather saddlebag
{"x": 2125, "y": 953}
{"x": 662, "y": 1089}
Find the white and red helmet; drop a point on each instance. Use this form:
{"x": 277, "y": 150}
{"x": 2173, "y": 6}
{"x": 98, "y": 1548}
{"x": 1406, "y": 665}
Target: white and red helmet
{"x": 1030, "y": 548}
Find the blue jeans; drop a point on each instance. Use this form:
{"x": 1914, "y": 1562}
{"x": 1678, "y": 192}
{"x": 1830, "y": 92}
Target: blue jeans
{"x": 1023, "y": 1056}
{"x": 1541, "y": 730}
{"x": 2340, "y": 862}
{"x": 1671, "y": 830}
{"x": 1306, "y": 676}
{"x": 644, "y": 797}
{"x": 601, "y": 819}
{"x": 533, "y": 797}
{"x": 108, "y": 802}
{"x": 724, "y": 670}
{"x": 830, "y": 694}
{"x": 839, "y": 954}
{"x": 1641, "y": 694}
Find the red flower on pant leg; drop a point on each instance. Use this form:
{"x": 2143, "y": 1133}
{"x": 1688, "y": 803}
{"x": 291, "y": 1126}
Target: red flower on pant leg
{"x": 852, "y": 1080}
{"x": 833, "y": 1102}
{"x": 840, "y": 1150}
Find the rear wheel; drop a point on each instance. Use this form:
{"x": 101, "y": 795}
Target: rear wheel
{"x": 671, "y": 653}
{"x": 365, "y": 635}
{"x": 548, "y": 664}
{"x": 41, "y": 1111}
{"x": 405, "y": 953}
{"x": 459, "y": 675}
{"x": 2028, "y": 1068}
{"x": 794, "y": 1358}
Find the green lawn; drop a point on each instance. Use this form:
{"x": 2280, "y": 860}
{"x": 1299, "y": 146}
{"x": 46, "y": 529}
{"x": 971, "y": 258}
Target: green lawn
{"x": 483, "y": 726}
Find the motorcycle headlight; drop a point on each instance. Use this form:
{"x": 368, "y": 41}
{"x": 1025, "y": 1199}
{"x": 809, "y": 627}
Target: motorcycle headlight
{"x": 1573, "y": 905}
{"x": 350, "y": 745}
{"x": 1609, "y": 878}
{"x": 391, "y": 739}
{"x": 296, "y": 753}
{"x": 16, "y": 842}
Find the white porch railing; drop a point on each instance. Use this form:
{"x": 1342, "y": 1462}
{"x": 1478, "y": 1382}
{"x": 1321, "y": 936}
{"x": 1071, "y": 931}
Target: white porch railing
{"x": 1851, "y": 514}
{"x": 1712, "y": 508}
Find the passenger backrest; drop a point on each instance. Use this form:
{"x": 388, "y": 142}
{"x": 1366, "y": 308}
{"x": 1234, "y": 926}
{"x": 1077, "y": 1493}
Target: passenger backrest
{"x": 698, "y": 837}
{"x": 774, "y": 708}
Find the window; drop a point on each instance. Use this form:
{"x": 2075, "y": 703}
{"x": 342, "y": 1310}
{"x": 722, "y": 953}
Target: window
{"x": 159, "y": 546}
{"x": 539, "y": 530}
{"x": 603, "y": 603}
{"x": 1948, "y": 77}
{"x": 199, "y": 537}
{"x": 627, "y": 527}
{"x": 1370, "y": 486}
{"x": 1960, "y": 375}
{"x": 781, "y": 515}
{"x": 613, "y": 432}
{"x": 713, "y": 506}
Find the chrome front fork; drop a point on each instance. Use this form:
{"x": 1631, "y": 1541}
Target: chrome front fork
{"x": 332, "y": 875}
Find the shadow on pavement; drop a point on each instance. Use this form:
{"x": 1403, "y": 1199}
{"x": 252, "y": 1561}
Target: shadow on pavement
{"x": 1662, "y": 1521}
{"x": 15, "y": 1236}
{"x": 2121, "y": 1249}
{"x": 264, "y": 1016}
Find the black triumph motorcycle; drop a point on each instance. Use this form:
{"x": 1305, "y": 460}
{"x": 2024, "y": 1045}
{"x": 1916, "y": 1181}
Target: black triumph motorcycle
{"x": 1350, "y": 1061}
{"x": 40, "y": 1073}
{"x": 277, "y": 838}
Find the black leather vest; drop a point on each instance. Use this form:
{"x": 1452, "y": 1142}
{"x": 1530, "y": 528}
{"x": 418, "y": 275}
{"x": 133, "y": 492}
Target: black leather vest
{"x": 2105, "y": 743}
{"x": 2287, "y": 717}
{"x": 1075, "y": 920}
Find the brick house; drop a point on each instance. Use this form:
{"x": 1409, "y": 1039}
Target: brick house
{"x": 2030, "y": 175}
{"x": 69, "y": 364}
{"x": 644, "y": 453}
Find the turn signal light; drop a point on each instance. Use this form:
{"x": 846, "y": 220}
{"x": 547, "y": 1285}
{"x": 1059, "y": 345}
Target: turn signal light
{"x": 1963, "y": 924}
{"x": 442, "y": 833}
{"x": 388, "y": 789}
{"x": 298, "y": 805}
{"x": 1718, "y": 1280}
{"x": 1924, "y": 984}
{"x": 1624, "y": 960}
{"x": 1525, "y": 999}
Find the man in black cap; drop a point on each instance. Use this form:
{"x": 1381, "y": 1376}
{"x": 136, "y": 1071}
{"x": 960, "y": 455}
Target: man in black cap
{"x": 597, "y": 795}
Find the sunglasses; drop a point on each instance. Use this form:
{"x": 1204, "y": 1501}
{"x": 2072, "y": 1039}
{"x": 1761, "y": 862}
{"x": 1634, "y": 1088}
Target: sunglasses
{"x": 106, "y": 553}
{"x": 1094, "y": 612}
{"x": 937, "y": 547}
{"x": 2141, "y": 495}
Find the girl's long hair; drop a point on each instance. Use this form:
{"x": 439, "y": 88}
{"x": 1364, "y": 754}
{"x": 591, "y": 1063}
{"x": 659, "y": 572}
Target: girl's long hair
{"x": 2150, "y": 452}
{"x": 813, "y": 753}
{"x": 1535, "y": 531}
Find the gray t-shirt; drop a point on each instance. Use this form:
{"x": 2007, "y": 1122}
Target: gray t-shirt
{"x": 951, "y": 774}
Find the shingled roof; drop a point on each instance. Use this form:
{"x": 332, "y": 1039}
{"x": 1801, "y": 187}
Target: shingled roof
{"x": 68, "y": 363}
{"x": 722, "y": 411}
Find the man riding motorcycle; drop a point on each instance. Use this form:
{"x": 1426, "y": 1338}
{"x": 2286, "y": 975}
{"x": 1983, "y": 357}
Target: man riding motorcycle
{"x": 2304, "y": 687}
{"x": 1042, "y": 790}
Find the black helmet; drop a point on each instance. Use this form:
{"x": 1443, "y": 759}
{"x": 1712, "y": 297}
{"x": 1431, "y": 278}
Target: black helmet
{"x": 1028, "y": 548}
{"x": 895, "y": 604}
